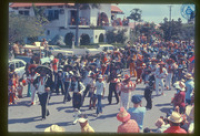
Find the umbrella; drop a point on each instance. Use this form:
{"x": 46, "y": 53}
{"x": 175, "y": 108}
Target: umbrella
{"x": 43, "y": 67}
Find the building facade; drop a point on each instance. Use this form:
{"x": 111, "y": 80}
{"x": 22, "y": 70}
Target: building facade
{"x": 93, "y": 22}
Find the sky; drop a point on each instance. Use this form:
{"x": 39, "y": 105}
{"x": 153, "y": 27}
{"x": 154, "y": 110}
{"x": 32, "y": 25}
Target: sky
{"x": 153, "y": 12}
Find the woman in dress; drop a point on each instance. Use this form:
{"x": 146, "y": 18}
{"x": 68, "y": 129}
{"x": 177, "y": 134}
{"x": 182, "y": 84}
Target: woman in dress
{"x": 126, "y": 87}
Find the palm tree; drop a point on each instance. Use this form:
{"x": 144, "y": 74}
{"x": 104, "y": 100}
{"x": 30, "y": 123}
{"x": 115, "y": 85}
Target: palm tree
{"x": 78, "y": 8}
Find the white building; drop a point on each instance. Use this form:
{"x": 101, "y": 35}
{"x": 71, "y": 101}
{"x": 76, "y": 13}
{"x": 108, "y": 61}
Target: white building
{"x": 93, "y": 21}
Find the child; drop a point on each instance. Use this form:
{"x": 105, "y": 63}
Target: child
{"x": 99, "y": 92}
{"x": 20, "y": 89}
{"x": 91, "y": 91}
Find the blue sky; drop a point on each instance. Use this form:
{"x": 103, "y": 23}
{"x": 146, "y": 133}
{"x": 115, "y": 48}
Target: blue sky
{"x": 153, "y": 12}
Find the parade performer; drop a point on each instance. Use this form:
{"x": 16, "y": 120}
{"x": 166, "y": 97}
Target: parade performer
{"x": 104, "y": 62}
{"x": 86, "y": 81}
{"x": 32, "y": 76}
{"x": 99, "y": 92}
{"x": 77, "y": 88}
{"x": 59, "y": 82}
{"x": 67, "y": 75}
{"x": 126, "y": 87}
{"x": 113, "y": 79}
{"x": 132, "y": 63}
{"x": 170, "y": 66}
{"x": 160, "y": 74}
{"x": 91, "y": 91}
{"x": 139, "y": 68}
{"x": 42, "y": 83}
{"x": 148, "y": 91}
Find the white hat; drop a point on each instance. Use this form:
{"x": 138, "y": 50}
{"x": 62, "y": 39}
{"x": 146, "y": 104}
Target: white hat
{"x": 179, "y": 85}
{"x": 175, "y": 117}
{"x": 54, "y": 128}
{"x": 82, "y": 120}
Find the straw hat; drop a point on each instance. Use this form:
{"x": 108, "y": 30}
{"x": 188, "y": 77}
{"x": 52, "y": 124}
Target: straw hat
{"x": 188, "y": 76}
{"x": 175, "y": 117}
{"x": 123, "y": 115}
{"x": 179, "y": 85}
{"x": 82, "y": 120}
{"x": 54, "y": 128}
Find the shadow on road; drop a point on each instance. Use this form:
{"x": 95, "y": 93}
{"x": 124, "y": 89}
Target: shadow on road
{"x": 165, "y": 104}
{"x": 165, "y": 110}
{"x": 63, "y": 124}
{"x": 53, "y": 103}
{"x": 103, "y": 116}
{"x": 62, "y": 108}
{"x": 24, "y": 120}
{"x": 22, "y": 103}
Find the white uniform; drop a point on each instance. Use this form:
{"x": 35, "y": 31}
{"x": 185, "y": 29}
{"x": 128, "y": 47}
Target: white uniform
{"x": 159, "y": 79}
{"x": 170, "y": 68}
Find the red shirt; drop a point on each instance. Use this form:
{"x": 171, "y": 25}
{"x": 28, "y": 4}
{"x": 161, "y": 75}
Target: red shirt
{"x": 179, "y": 99}
{"x": 130, "y": 126}
{"x": 175, "y": 129}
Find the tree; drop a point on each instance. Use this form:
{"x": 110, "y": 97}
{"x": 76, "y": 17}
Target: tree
{"x": 176, "y": 27}
{"x": 21, "y": 27}
{"x": 78, "y": 8}
{"x": 116, "y": 36}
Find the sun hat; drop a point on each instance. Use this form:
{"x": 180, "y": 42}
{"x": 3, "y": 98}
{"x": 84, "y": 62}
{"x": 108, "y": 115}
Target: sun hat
{"x": 180, "y": 85}
{"x": 123, "y": 115}
{"x": 188, "y": 76}
{"x": 54, "y": 128}
{"x": 136, "y": 99}
{"x": 175, "y": 117}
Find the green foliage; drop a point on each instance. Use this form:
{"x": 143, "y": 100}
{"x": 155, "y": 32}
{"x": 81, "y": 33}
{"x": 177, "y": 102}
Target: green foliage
{"x": 116, "y": 36}
{"x": 21, "y": 27}
{"x": 187, "y": 32}
{"x": 173, "y": 26}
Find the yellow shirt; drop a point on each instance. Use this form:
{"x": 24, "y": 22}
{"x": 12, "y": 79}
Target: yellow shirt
{"x": 87, "y": 129}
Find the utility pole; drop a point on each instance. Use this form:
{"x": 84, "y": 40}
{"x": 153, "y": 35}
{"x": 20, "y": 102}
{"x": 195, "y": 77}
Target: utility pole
{"x": 170, "y": 24}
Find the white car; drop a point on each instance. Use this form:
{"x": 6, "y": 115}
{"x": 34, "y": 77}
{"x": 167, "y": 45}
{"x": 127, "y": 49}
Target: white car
{"x": 19, "y": 66}
{"x": 100, "y": 49}
{"x": 56, "y": 51}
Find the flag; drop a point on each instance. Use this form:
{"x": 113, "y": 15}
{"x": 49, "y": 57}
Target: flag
{"x": 191, "y": 59}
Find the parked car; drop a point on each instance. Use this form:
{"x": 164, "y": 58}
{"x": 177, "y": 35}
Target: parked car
{"x": 101, "y": 48}
{"x": 19, "y": 66}
{"x": 58, "y": 52}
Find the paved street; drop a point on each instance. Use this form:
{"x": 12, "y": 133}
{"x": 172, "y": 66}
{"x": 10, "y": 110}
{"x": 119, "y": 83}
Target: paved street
{"x": 25, "y": 118}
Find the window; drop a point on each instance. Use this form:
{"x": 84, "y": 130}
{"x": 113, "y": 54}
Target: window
{"x": 53, "y": 15}
{"x": 17, "y": 64}
{"x": 48, "y": 32}
{"x": 21, "y": 64}
{"x": 24, "y": 12}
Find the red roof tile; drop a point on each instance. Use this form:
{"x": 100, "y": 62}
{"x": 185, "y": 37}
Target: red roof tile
{"x": 116, "y": 9}
{"x": 13, "y": 5}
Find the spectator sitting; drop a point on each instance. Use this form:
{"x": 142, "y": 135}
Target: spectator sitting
{"x": 128, "y": 125}
{"x": 160, "y": 123}
{"x": 137, "y": 112}
{"x": 174, "y": 120}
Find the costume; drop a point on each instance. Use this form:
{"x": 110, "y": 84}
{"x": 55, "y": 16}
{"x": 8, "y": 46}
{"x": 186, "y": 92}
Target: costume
{"x": 160, "y": 74}
{"x": 170, "y": 68}
{"x": 132, "y": 65}
{"x": 43, "y": 82}
{"x": 126, "y": 88}
{"x": 139, "y": 68}
{"x": 32, "y": 88}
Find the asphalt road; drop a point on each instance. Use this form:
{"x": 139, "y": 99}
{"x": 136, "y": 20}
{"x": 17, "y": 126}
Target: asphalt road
{"x": 25, "y": 118}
